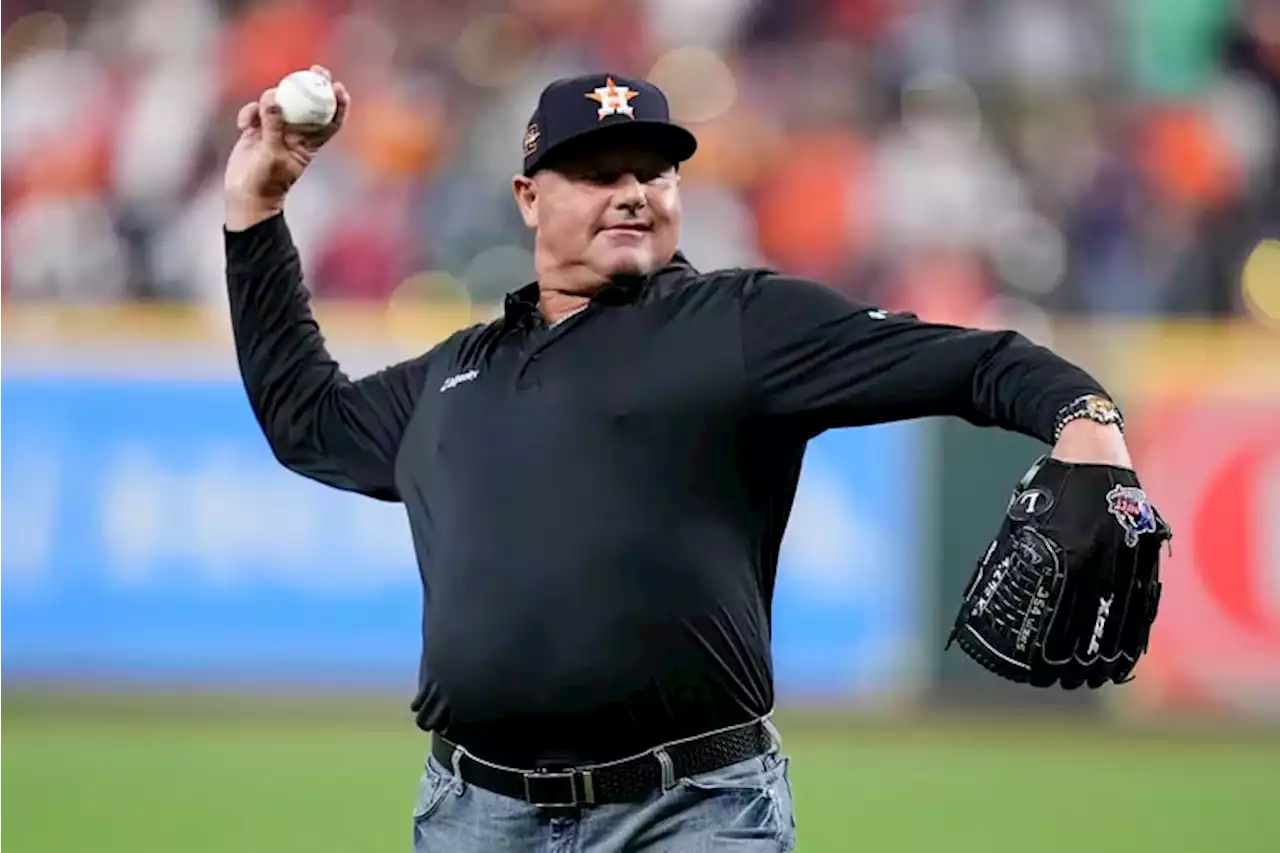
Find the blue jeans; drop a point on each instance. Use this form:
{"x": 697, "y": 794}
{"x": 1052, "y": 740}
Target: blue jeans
{"x": 745, "y": 807}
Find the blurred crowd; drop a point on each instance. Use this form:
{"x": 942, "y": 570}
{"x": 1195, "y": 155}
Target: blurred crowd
{"x": 977, "y": 161}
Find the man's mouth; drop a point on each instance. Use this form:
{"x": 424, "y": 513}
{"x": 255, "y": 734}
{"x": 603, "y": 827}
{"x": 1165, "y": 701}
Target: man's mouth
{"x": 629, "y": 226}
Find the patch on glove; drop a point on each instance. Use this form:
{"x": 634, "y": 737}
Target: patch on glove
{"x": 1068, "y": 590}
{"x": 1134, "y": 512}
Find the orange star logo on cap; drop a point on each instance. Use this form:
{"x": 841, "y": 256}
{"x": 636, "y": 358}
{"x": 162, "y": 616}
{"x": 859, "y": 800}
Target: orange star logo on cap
{"x": 613, "y": 100}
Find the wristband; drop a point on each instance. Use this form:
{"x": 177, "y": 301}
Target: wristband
{"x": 1092, "y": 407}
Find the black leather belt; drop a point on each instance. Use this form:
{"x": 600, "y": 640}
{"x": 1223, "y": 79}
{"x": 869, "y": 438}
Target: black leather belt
{"x": 629, "y": 780}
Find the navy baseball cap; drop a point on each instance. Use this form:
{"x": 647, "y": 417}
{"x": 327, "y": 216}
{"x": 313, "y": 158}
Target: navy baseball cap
{"x": 599, "y": 104}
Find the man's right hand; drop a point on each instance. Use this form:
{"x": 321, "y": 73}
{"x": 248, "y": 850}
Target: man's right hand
{"x": 269, "y": 157}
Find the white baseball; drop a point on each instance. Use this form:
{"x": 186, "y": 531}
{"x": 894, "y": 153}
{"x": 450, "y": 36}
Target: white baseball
{"x": 306, "y": 99}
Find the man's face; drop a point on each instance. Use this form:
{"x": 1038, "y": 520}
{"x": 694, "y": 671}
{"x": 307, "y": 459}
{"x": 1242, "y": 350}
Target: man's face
{"x": 608, "y": 211}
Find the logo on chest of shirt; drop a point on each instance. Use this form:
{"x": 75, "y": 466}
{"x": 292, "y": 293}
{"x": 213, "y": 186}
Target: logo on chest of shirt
{"x": 457, "y": 379}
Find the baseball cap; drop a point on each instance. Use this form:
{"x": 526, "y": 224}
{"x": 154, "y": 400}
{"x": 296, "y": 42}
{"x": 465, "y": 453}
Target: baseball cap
{"x": 575, "y": 107}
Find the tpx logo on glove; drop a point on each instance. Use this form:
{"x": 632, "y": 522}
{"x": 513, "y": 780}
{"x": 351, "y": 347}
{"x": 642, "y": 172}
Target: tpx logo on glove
{"x": 1134, "y": 512}
{"x": 1100, "y": 624}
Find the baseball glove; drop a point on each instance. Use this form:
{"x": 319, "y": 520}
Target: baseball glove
{"x": 1068, "y": 590}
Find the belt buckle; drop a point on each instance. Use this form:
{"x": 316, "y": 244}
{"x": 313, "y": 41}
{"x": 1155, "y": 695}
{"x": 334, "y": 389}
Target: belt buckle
{"x": 541, "y": 801}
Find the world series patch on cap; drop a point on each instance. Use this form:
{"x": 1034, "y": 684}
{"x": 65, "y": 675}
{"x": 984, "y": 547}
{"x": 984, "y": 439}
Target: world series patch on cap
{"x": 573, "y": 108}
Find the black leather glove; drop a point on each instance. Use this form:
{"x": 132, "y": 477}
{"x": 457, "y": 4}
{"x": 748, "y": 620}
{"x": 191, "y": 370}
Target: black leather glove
{"x": 1068, "y": 590}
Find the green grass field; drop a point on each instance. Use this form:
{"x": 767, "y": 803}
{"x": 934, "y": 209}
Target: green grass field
{"x": 148, "y": 777}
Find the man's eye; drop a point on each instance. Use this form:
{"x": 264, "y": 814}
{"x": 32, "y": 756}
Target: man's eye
{"x": 609, "y": 178}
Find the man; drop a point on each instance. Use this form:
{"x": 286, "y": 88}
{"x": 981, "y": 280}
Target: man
{"x": 597, "y": 483}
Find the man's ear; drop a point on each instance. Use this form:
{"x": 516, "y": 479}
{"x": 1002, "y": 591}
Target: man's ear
{"x": 525, "y": 191}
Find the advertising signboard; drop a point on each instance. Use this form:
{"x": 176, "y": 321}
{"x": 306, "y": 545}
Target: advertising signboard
{"x": 148, "y": 534}
{"x": 1213, "y": 468}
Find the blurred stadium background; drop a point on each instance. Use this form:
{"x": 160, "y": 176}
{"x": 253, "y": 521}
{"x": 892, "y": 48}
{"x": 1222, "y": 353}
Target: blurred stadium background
{"x": 203, "y": 652}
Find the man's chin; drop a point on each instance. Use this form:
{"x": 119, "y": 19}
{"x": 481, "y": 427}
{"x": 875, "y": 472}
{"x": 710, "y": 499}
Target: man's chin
{"x": 626, "y": 264}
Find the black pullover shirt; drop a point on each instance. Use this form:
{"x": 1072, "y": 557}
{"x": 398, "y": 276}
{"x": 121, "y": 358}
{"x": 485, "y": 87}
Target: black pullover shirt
{"x": 597, "y": 507}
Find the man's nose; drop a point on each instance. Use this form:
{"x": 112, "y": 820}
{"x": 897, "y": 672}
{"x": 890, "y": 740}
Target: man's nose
{"x": 628, "y": 192}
